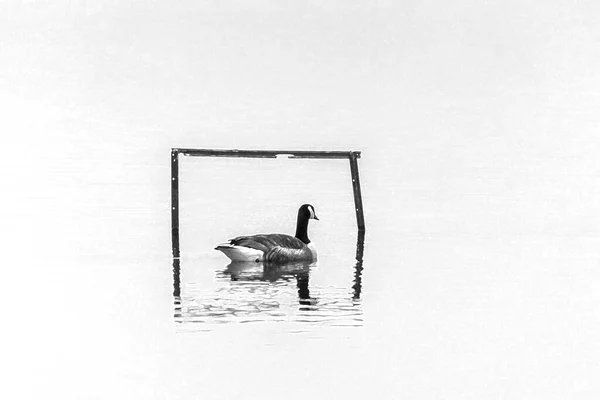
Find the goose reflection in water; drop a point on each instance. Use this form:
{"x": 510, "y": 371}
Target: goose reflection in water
{"x": 255, "y": 292}
{"x": 266, "y": 272}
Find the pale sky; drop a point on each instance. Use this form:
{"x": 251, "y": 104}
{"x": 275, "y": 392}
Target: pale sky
{"x": 453, "y": 97}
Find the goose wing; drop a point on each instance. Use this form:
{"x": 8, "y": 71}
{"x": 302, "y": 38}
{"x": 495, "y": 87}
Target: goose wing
{"x": 266, "y": 242}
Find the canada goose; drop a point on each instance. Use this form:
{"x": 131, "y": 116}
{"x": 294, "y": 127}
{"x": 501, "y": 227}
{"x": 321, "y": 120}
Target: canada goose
{"x": 275, "y": 248}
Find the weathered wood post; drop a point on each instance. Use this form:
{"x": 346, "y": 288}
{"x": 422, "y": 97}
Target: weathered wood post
{"x": 358, "y": 206}
{"x": 175, "y": 201}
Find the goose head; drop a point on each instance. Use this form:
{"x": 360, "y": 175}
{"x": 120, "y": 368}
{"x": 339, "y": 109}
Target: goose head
{"x": 307, "y": 212}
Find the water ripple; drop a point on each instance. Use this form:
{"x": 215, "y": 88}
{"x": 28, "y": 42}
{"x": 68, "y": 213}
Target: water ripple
{"x": 257, "y": 292}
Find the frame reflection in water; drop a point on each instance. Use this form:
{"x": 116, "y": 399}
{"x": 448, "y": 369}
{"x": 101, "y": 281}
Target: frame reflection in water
{"x": 244, "y": 292}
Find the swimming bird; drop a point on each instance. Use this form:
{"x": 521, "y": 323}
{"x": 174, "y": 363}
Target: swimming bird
{"x": 275, "y": 248}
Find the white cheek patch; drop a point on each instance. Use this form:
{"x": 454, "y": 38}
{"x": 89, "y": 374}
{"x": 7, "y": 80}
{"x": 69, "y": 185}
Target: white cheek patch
{"x": 312, "y": 212}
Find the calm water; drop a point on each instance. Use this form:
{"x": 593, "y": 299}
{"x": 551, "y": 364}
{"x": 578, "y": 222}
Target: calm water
{"x": 478, "y": 123}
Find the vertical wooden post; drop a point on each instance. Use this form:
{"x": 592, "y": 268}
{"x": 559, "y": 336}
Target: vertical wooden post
{"x": 358, "y": 206}
{"x": 175, "y": 201}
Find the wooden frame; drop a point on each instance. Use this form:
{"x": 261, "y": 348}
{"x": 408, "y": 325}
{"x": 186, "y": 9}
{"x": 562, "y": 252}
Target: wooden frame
{"x": 352, "y": 156}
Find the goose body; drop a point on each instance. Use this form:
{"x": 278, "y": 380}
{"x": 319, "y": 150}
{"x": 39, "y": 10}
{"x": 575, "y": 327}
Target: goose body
{"x": 274, "y": 248}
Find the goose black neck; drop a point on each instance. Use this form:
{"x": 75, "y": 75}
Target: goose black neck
{"x": 302, "y": 228}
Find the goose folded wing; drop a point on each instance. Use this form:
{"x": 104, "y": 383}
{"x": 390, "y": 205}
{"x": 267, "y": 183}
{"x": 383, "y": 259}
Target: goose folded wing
{"x": 264, "y": 242}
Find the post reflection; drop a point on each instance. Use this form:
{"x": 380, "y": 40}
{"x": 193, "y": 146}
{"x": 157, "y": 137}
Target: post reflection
{"x": 177, "y": 287}
{"x": 358, "y": 268}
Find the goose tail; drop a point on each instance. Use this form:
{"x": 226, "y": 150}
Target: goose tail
{"x": 240, "y": 253}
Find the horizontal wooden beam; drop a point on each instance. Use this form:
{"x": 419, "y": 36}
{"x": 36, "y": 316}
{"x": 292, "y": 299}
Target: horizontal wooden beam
{"x": 267, "y": 153}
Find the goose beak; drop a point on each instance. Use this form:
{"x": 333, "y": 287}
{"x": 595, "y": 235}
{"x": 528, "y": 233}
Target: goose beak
{"x": 315, "y": 217}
